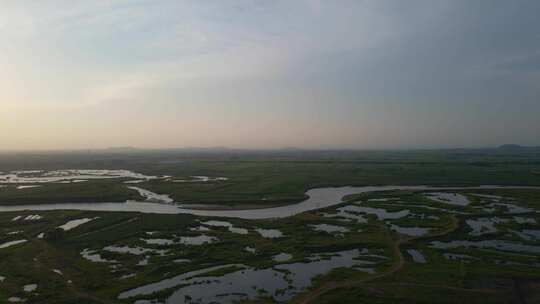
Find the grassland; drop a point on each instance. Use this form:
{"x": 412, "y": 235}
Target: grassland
{"x": 272, "y": 178}
{"x": 398, "y": 278}
{"x": 268, "y": 179}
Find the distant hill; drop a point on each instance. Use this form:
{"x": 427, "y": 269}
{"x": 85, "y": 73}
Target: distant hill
{"x": 517, "y": 149}
{"x": 122, "y": 149}
{"x": 509, "y": 147}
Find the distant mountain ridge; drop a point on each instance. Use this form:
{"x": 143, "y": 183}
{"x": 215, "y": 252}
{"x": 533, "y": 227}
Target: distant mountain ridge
{"x": 516, "y": 148}
{"x": 510, "y": 147}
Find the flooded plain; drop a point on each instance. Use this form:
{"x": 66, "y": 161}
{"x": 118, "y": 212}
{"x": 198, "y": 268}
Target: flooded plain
{"x": 281, "y": 282}
{"x": 488, "y": 244}
{"x": 72, "y": 175}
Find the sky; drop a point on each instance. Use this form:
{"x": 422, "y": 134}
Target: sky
{"x": 360, "y": 74}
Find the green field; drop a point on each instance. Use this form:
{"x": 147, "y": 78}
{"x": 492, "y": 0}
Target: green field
{"x": 486, "y": 275}
{"x": 397, "y": 278}
{"x": 271, "y": 178}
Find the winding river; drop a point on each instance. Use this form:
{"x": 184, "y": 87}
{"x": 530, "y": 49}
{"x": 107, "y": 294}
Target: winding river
{"x": 318, "y": 198}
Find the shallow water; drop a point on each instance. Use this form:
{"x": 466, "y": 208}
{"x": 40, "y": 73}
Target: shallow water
{"x": 282, "y": 257}
{"x": 58, "y": 271}
{"x": 483, "y": 226}
{"x": 524, "y": 220}
{"x": 201, "y": 179}
{"x": 318, "y": 198}
{"x": 197, "y": 240}
{"x": 512, "y": 208}
{"x": 127, "y": 276}
{"x": 76, "y": 223}
{"x": 183, "y": 240}
{"x": 417, "y": 256}
{"x": 12, "y": 243}
{"x": 144, "y": 262}
{"x": 217, "y": 223}
{"x": 27, "y": 187}
{"x": 137, "y": 181}
{"x": 225, "y": 224}
{"x": 200, "y": 229}
{"x": 238, "y": 230}
{"x": 92, "y": 256}
{"x": 406, "y": 205}
{"x": 33, "y": 217}
{"x": 38, "y": 176}
{"x": 329, "y": 228}
{"x": 410, "y": 231}
{"x": 281, "y": 282}
{"x": 30, "y": 287}
{"x": 381, "y": 214}
{"x": 489, "y": 244}
{"x": 153, "y": 197}
{"x": 449, "y": 198}
{"x": 269, "y": 233}
{"x": 383, "y": 199}
{"x": 169, "y": 283}
{"x": 534, "y": 233}
{"x": 181, "y": 261}
{"x": 493, "y": 197}
{"x": 161, "y": 242}
{"x": 528, "y": 234}
{"x": 345, "y": 216}
{"x": 458, "y": 257}
{"x": 513, "y": 263}
{"x": 250, "y": 249}
{"x": 133, "y": 250}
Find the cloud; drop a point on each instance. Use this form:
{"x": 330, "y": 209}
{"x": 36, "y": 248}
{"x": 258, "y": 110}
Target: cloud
{"x": 365, "y": 73}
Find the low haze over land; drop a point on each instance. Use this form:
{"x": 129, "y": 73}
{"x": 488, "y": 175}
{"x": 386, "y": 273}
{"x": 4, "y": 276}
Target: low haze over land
{"x": 269, "y": 74}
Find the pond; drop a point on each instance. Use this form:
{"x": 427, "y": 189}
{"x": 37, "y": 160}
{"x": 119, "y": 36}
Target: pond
{"x": 489, "y": 244}
{"x": 153, "y": 197}
{"x": 482, "y": 226}
{"x": 459, "y": 257}
{"x": 417, "y": 256}
{"x": 76, "y": 223}
{"x": 410, "y": 231}
{"x": 449, "y": 198}
{"x": 282, "y": 257}
{"x": 329, "y": 228}
{"x": 269, "y": 233}
{"x": 380, "y": 213}
{"x": 281, "y": 282}
{"x": 225, "y": 224}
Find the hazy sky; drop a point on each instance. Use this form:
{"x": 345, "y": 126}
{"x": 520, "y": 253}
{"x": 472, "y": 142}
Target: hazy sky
{"x": 264, "y": 74}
